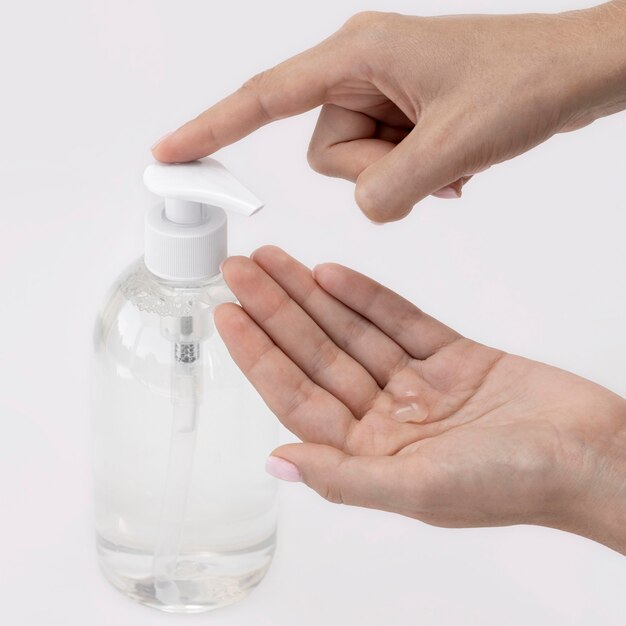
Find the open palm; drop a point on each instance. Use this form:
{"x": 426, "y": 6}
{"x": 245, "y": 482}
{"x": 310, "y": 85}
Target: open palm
{"x": 396, "y": 410}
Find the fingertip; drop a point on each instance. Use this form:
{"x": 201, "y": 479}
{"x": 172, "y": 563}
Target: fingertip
{"x": 187, "y": 143}
{"x": 227, "y": 317}
{"x": 333, "y": 278}
{"x": 325, "y": 272}
{"x": 235, "y": 270}
{"x": 225, "y": 262}
{"x": 231, "y": 265}
{"x": 221, "y": 310}
{"x": 292, "y": 453}
{"x": 164, "y": 149}
{"x": 283, "y": 469}
{"x": 310, "y": 458}
{"x": 268, "y": 252}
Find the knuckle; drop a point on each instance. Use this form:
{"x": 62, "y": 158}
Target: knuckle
{"x": 317, "y": 158}
{"x": 301, "y": 395}
{"x": 332, "y": 493}
{"x": 374, "y": 206}
{"x": 364, "y": 19}
{"x": 370, "y": 36}
{"x": 354, "y": 332}
{"x": 372, "y": 28}
{"x": 253, "y": 83}
{"x": 367, "y": 199}
{"x": 325, "y": 356}
{"x": 259, "y": 87}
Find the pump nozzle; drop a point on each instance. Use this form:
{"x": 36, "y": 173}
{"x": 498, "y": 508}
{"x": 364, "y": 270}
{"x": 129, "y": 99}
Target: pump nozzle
{"x": 186, "y": 236}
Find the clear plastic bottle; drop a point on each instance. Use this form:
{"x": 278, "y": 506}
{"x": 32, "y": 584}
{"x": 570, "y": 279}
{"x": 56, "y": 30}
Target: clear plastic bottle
{"x": 185, "y": 513}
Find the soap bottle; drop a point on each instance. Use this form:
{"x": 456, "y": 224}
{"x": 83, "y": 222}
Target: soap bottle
{"x": 185, "y": 513}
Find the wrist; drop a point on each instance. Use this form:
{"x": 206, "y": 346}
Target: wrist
{"x": 596, "y": 48}
{"x": 596, "y": 506}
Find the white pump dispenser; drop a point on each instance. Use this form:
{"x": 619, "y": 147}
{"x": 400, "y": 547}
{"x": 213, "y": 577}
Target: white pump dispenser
{"x": 185, "y": 513}
{"x": 186, "y": 235}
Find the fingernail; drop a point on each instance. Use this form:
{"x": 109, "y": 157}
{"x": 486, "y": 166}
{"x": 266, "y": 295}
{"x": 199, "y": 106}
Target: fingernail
{"x": 326, "y": 268}
{"x": 447, "y": 193}
{"x": 156, "y": 143}
{"x": 282, "y": 469}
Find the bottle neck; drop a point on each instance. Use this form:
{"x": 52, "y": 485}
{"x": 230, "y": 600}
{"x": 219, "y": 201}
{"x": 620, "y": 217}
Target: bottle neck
{"x": 193, "y": 284}
{"x": 185, "y": 253}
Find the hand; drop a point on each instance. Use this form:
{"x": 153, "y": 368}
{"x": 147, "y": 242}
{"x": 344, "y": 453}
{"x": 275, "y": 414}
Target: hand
{"x": 401, "y": 413}
{"x": 415, "y": 106}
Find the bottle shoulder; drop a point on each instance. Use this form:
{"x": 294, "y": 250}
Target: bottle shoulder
{"x": 150, "y": 294}
{"x": 142, "y": 309}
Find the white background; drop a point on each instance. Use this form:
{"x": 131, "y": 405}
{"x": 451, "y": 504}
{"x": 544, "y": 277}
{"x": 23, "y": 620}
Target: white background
{"x": 532, "y": 260}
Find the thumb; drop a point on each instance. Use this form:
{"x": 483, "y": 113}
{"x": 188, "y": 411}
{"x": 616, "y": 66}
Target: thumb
{"x": 369, "y": 481}
{"x": 420, "y": 165}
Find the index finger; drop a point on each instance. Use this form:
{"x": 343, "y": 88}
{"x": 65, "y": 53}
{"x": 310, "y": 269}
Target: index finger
{"x": 307, "y": 410}
{"x": 290, "y": 88}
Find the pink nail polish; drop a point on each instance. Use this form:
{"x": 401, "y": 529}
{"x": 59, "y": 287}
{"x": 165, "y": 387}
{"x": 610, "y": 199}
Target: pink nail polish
{"x": 156, "y": 143}
{"x": 447, "y": 193}
{"x": 282, "y": 469}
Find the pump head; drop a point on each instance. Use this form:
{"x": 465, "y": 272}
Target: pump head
{"x": 185, "y": 237}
